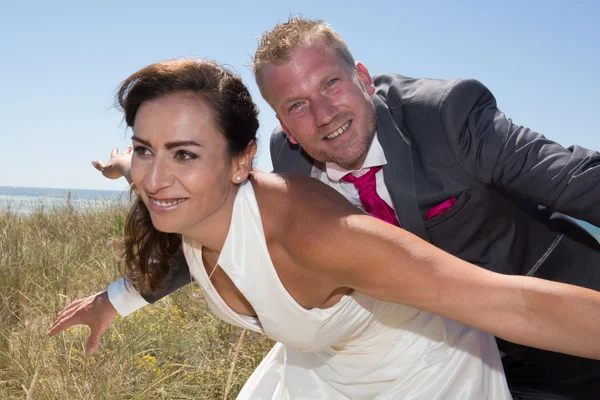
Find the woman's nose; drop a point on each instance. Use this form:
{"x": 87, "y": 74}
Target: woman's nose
{"x": 159, "y": 176}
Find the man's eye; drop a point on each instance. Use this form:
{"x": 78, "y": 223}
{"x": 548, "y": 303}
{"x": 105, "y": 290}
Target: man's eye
{"x": 141, "y": 151}
{"x": 295, "y": 106}
{"x": 185, "y": 155}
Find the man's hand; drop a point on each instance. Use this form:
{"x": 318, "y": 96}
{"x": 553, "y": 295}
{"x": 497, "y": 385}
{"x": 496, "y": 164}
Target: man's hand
{"x": 117, "y": 166}
{"x": 95, "y": 311}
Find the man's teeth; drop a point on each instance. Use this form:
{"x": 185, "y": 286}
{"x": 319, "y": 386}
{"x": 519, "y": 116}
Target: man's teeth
{"x": 167, "y": 203}
{"x": 338, "y": 132}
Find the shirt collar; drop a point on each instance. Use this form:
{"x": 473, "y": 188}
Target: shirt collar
{"x": 375, "y": 157}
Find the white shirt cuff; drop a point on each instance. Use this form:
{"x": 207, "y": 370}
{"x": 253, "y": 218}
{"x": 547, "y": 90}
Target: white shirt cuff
{"x": 124, "y": 298}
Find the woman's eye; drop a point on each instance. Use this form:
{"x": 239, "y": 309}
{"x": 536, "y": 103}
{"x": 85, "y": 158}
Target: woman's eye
{"x": 185, "y": 155}
{"x": 332, "y": 82}
{"x": 141, "y": 151}
{"x": 295, "y": 106}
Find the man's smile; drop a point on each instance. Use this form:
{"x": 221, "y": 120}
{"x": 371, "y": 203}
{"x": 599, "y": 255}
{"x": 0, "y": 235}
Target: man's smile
{"x": 338, "y": 131}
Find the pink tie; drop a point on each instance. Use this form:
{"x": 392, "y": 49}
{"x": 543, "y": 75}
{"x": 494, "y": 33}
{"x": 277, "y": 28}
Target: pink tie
{"x": 369, "y": 198}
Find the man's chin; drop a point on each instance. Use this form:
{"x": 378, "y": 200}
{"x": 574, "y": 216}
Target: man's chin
{"x": 350, "y": 153}
{"x": 349, "y": 161}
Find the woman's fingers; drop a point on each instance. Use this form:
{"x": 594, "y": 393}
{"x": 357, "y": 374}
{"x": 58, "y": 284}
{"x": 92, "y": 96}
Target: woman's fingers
{"x": 98, "y": 165}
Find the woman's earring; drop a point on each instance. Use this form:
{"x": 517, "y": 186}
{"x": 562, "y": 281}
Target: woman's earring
{"x": 238, "y": 178}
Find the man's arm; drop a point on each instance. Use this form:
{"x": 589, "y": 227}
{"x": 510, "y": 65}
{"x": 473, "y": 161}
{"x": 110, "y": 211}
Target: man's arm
{"x": 179, "y": 277}
{"x": 494, "y": 150}
{"x": 95, "y": 311}
{"x": 99, "y": 310}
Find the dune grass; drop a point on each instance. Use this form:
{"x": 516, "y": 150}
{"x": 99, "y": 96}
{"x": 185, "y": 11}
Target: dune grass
{"x": 174, "y": 349}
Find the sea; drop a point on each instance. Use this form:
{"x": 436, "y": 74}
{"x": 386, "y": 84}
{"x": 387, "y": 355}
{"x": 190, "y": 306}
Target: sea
{"x": 26, "y": 200}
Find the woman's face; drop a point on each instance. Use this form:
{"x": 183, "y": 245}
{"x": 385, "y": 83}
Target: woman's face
{"x": 180, "y": 165}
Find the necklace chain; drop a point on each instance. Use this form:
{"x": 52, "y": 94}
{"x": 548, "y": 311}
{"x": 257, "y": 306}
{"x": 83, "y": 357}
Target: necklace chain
{"x": 213, "y": 270}
{"x": 202, "y": 262}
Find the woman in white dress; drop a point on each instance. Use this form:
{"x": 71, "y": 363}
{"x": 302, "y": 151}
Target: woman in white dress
{"x": 361, "y": 309}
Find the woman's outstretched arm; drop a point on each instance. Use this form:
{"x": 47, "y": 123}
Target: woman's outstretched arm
{"x": 118, "y": 165}
{"x": 349, "y": 249}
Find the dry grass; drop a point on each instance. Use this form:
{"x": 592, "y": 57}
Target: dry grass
{"x": 174, "y": 349}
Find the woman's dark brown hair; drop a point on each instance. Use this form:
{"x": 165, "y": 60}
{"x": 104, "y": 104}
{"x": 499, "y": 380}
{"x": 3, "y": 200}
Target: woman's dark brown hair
{"x": 149, "y": 253}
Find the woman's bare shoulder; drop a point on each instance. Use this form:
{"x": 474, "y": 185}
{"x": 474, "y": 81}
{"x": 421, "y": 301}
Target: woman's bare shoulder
{"x": 292, "y": 204}
{"x": 295, "y": 194}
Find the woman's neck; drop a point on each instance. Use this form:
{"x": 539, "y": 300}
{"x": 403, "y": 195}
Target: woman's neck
{"x": 210, "y": 234}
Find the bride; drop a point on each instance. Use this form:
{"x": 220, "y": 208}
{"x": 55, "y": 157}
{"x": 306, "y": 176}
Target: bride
{"x": 362, "y": 309}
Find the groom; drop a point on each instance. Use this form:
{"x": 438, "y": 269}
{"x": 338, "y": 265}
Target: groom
{"x": 439, "y": 159}
{"x": 457, "y": 172}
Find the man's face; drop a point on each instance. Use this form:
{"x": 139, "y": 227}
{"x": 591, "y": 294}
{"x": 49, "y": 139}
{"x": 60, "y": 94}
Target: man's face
{"x": 323, "y": 104}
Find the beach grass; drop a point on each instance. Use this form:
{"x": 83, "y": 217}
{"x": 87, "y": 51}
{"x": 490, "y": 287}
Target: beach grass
{"x": 173, "y": 349}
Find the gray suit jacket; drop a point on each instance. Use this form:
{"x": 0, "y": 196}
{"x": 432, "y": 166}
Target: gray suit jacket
{"x": 447, "y": 139}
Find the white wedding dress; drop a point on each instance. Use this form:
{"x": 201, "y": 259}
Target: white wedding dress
{"x": 360, "y": 348}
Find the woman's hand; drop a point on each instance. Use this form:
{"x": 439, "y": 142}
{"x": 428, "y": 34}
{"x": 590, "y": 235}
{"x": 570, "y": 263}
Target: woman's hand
{"x": 117, "y": 166}
{"x": 95, "y": 311}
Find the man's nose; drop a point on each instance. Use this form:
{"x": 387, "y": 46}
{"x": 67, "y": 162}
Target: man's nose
{"x": 159, "y": 176}
{"x": 324, "y": 110}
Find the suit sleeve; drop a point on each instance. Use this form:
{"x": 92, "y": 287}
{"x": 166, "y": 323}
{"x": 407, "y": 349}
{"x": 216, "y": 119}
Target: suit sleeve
{"x": 515, "y": 159}
{"x": 180, "y": 276}
{"x": 125, "y": 298}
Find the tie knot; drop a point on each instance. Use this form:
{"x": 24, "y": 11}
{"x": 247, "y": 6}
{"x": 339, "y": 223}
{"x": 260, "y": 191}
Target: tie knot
{"x": 367, "y": 192}
{"x": 366, "y": 178}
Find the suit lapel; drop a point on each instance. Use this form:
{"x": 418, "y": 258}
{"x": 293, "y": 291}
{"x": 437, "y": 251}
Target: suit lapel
{"x": 398, "y": 173}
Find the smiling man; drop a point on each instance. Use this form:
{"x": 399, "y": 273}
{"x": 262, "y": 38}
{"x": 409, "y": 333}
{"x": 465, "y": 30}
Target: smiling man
{"x": 455, "y": 170}
{"x": 326, "y": 105}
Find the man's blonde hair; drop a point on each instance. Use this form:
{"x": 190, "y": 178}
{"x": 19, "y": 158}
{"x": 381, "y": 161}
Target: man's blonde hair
{"x": 276, "y": 46}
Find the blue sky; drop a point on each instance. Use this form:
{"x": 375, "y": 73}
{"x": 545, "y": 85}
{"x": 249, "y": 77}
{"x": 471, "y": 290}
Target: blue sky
{"x": 62, "y": 61}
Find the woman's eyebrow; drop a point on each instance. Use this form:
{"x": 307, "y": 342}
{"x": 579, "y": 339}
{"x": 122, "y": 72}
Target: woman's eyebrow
{"x": 169, "y": 145}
